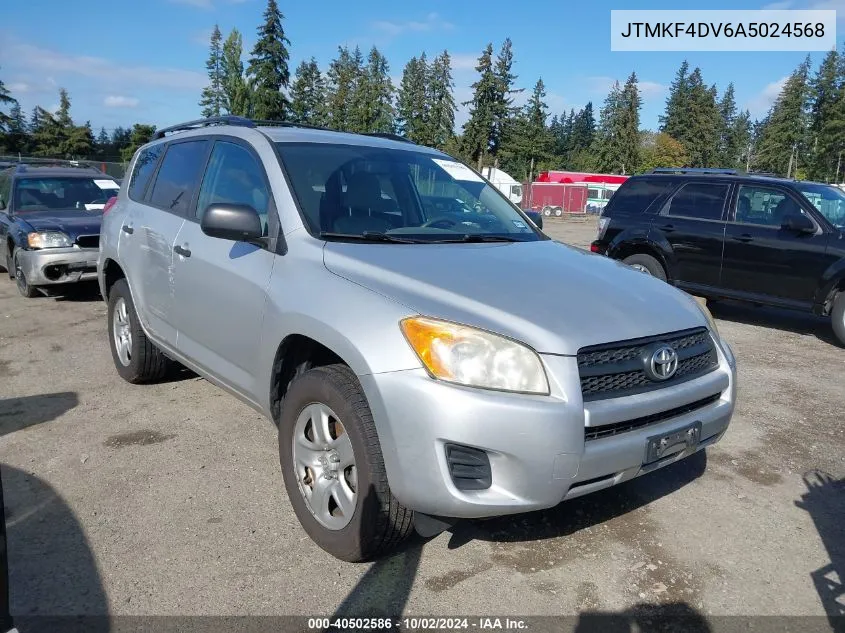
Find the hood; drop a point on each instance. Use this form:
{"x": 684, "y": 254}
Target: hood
{"x": 553, "y": 297}
{"x": 73, "y": 222}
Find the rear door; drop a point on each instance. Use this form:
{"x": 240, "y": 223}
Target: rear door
{"x": 150, "y": 229}
{"x": 763, "y": 260}
{"x": 221, "y": 285}
{"x": 692, "y": 223}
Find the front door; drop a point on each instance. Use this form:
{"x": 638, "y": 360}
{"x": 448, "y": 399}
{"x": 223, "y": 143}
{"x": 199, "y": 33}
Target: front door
{"x": 221, "y": 285}
{"x": 763, "y": 260}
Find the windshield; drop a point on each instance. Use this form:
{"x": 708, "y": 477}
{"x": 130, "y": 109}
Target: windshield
{"x": 369, "y": 192}
{"x": 829, "y": 200}
{"x": 44, "y": 194}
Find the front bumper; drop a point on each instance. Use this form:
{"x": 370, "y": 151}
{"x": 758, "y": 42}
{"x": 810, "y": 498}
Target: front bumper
{"x": 59, "y": 265}
{"x": 536, "y": 445}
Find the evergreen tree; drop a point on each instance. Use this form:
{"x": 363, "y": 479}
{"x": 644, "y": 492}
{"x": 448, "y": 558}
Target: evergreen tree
{"x": 342, "y": 79}
{"x": 617, "y": 141}
{"x": 605, "y": 145}
{"x": 120, "y": 138}
{"x": 212, "y": 101}
{"x": 308, "y": 94}
{"x": 46, "y": 133}
{"x": 140, "y": 135}
{"x": 783, "y": 138}
{"x": 36, "y": 120}
{"x": 728, "y": 152}
{"x": 703, "y": 126}
{"x": 236, "y": 93}
{"x": 102, "y": 145}
{"x": 374, "y": 95}
{"x": 16, "y": 137}
{"x": 528, "y": 142}
{"x": 583, "y": 131}
{"x": 268, "y": 67}
{"x": 6, "y": 99}
{"x": 412, "y": 102}
{"x": 741, "y": 139}
{"x": 826, "y": 91}
{"x": 441, "y": 101}
{"x": 503, "y": 108}
{"x": 675, "y": 119}
{"x": 359, "y": 106}
{"x": 480, "y": 127}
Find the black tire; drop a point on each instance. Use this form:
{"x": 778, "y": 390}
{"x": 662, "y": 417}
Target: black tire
{"x": 649, "y": 263}
{"x": 837, "y": 317}
{"x": 379, "y": 523}
{"x": 146, "y": 362}
{"x": 21, "y": 282}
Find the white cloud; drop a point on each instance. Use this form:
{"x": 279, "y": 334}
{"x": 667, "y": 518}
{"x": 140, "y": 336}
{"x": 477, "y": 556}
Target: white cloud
{"x": 119, "y": 101}
{"x": 464, "y": 61}
{"x": 432, "y": 22}
{"x": 759, "y": 105}
{"x": 19, "y": 88}
{"x": 601, "y": 85}
{"x": 203, "y": 37}
{"x": 32, "y": 60}
{"x": 652, "y": 89}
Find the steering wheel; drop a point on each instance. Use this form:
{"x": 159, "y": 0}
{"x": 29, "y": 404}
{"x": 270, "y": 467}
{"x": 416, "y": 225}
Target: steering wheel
{"x": 441, "y": 220}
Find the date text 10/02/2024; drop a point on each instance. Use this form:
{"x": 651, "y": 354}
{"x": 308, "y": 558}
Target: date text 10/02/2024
{"x": 418, "y": 624}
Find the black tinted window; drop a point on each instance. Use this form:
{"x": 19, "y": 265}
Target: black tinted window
{"x": 5, "y": 189}
{"x": 144, "y": 167}
{"x": 179, "y": 176}
{"x": 700, "y": 200}
{"x": 635, "y": 196}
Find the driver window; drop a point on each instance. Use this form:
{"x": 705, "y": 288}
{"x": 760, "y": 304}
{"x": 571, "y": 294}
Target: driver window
{"x": 234, "y": 176}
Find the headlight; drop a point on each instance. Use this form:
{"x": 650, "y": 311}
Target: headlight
{"x": 475, "y": 358}
{"x": 48, "y": 239}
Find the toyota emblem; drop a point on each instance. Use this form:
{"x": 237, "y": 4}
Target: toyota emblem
{"x": 661, "y": 363}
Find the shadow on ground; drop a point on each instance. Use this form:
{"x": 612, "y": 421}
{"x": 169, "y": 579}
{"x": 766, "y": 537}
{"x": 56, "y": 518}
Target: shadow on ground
{"x": 20, "y": 413}
{"x": 79, "y": 292}
{"x": 52, "y": 571}
{"x": 572, "y": 516}
{"x": 776, "y": 318}
{"x": 825, "y": 502}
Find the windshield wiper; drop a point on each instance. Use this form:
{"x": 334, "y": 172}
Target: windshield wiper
{"x": 370, "y": 236}
{"x": 481, "y": 237}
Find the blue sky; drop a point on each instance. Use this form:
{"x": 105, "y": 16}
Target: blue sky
{"x": 127, "y": 62}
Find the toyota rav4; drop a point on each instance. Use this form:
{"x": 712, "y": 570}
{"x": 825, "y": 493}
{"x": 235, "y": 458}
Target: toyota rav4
{"x": 414, "y": 375}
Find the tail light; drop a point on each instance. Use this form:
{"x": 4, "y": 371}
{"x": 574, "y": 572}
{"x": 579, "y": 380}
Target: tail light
{"x": 111, "y": 202}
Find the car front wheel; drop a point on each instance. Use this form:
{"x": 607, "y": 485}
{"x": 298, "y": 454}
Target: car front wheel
{"x": 333, "y": 467}
{"x": 21, "y": 281}
{"x": 646, "y": 264}
{"x": 136, "y": 358}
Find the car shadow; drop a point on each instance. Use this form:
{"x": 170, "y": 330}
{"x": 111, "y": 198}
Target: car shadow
{"x": 20, "y": 413}
{"x": 825, "y": 503}
{"x": 83, "y": 292}
{"x": 776, "y": 318}
{"x": 52, "y": 573}
{"x": 578, "y": 514}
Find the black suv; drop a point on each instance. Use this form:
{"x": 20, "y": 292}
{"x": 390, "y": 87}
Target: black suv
{"x": 720, "y": 234}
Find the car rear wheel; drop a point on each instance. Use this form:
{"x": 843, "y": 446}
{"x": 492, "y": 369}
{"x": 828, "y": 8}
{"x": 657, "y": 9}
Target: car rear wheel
{"x": 23, "y": 285}
{"x": 646, "y": 264}
{"x": 136, "y": 358}
{"x": 837, "y": 316}
{"x": 333, "y": 467}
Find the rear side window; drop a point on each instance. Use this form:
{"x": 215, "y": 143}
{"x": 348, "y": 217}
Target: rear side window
{"x": 698, "y": 200}
{"x": 144, "y": 167}
{"x": 178, "y": 176}
{"x": 5, "y": 189}
{"x": 637, "y": 195}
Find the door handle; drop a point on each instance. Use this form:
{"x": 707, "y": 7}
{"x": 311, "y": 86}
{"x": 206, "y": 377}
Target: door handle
{"x": 127, "y": 229}
{"x": 745, "y": 237}
{"x": 180, "y": 250}
{"x": 667, "y": 228}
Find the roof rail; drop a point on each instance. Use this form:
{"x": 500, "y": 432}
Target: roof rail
{"x": 390, "y": 136}
{"x": 228, "y": 119}
{"x": 268, "y": 123}
{"x": 768, "y": 174}
{"x": 694, "y": 170}
{"x": 22, "y": 165}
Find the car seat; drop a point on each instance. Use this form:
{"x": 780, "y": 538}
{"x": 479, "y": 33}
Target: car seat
{"x": 363, "y": 199}
{"x": 743, "y": 209}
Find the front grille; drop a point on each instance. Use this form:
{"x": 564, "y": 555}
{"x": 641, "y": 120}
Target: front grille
{"x": 617, "y": 369}
{"x": 607, "y": 430}
{"x": 88, "y": 241}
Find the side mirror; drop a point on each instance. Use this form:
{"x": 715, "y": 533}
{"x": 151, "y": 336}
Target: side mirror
{"x": 798, "y": 223}
{"x": 236, "y": 222}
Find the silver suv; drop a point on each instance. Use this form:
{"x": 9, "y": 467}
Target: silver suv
{"x": 374, "y": 299}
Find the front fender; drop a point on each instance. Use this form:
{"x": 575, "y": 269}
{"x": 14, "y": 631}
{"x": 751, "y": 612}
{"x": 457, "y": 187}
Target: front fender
{"x": 832, "y": 278}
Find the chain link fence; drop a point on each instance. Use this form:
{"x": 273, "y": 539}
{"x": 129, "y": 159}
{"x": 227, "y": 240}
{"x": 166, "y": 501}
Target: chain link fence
{"x": 115, "y": 170}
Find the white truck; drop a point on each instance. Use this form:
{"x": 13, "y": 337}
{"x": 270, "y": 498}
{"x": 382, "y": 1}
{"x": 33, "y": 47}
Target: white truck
{"x": 504, "y": 183}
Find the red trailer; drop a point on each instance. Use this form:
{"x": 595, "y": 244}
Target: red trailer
{"x": 568, "y": 177}
{"x": 552, "y": 198}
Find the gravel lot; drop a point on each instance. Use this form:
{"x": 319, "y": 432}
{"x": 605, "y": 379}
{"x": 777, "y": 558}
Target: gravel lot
{"x": 168, "y": 499}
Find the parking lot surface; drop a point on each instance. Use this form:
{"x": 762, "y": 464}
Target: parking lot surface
{"x": 167, "y": 499}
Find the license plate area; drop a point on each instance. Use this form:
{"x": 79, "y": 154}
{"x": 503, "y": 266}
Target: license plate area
{"x": 660, "y": 446}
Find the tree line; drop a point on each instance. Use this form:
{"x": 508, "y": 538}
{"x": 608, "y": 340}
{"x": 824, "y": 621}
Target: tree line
{"x": 802, "y": 135}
